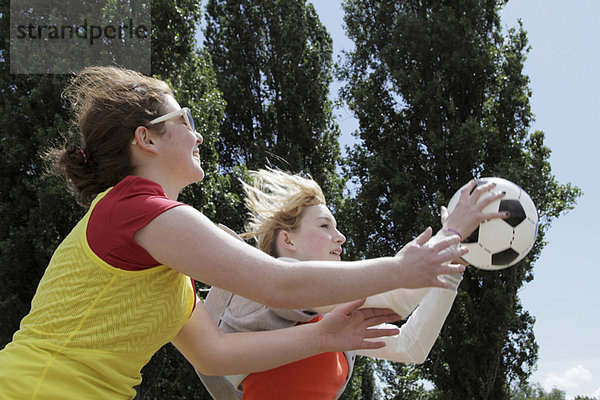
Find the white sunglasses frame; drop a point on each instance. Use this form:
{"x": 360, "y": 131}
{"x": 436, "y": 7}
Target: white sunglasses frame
{"x": 187, "y": 114}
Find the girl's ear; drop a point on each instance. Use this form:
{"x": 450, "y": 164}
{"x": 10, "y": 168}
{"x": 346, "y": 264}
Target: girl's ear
{"x": 285, "y": 241}
{"x": 143, "y": 139}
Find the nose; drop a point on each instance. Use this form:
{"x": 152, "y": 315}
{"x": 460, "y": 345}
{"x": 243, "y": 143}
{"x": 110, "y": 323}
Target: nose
{"x": 199, "y": 138}
{"x": 340, "y": 239}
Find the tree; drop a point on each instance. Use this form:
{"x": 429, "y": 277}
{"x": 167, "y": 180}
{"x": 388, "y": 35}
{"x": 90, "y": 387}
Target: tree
{"x": 440, "y": 97}
{"x": 63, "y": 37}
{"x": 36, "y": 212}
{"x": 536, "y": 391}
{"x": 362, "y": 385}
{"x": 273, "y": 61}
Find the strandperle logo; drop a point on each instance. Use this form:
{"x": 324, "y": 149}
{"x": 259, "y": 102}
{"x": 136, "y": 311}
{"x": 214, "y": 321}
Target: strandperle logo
{"x": 83, "y": 31}
{"x": 64, "y": 36}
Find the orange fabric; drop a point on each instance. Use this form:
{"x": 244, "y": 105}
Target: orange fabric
{"x": 317, "y": 378}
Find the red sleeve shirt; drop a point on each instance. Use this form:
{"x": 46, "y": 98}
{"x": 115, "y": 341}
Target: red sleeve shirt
{"x": 127, "y": 207}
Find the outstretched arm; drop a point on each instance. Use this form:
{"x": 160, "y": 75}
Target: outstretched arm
{"x": 188, "y": 242}
{"x": 213, "y": 352}
{"x": 401, "y": 301}
{"x": 185, "y": 240}
{"x": 418, "y": 335}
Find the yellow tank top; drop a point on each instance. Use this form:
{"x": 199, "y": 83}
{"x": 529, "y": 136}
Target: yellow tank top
{"x": 92, "y": 327}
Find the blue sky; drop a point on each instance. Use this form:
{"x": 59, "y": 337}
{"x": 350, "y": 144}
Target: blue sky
{"x": 563, "y": 67}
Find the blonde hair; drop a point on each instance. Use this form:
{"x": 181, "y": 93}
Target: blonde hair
{"x": 276, "y": 200}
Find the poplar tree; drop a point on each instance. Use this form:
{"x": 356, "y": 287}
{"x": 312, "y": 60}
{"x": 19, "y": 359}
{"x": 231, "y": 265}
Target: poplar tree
{"x": 273, "y": 62}
{"x": 439, "y": 92}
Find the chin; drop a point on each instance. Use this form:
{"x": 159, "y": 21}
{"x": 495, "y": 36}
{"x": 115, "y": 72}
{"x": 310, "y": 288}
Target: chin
{"x": 196, "y": 178}
{"x": 199, "y": 174}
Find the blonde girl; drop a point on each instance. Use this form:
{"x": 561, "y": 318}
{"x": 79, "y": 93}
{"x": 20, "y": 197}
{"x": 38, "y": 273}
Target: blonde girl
{"x": 289, "y": 219}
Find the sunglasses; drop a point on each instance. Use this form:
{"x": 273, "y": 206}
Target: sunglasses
{"x": 185, "y": 112}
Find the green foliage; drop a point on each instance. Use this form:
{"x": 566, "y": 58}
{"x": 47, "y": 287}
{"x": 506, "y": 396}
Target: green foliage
{"x": 70, "y": 34}
{"x": 361, "y": 385}
{"x": 273, "y": 62}
{"x": 403, "y": 380}
{"x": 536, "y": 391}
{"x": 440, "y": 96}
{"x": 173, "y": 36}
{"x": 169, "y": 375}
{"x": 36, "y": 211}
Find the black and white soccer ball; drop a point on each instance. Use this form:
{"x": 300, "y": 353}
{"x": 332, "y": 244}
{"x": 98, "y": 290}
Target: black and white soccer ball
{"x": 501, "y": 243}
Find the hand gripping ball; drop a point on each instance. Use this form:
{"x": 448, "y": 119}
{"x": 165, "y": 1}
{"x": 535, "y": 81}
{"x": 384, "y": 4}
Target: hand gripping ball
{"x": 501, "y": 243}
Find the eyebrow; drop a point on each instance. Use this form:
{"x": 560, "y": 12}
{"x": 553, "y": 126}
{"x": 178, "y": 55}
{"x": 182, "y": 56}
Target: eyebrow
{"x": 328, "y": 219}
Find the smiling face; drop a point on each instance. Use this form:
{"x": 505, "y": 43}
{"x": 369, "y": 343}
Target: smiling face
{"x": 179, "y": 146}
{"x": 317, "y": 237}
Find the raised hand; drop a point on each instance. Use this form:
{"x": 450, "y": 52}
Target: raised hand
{"x": 425, "y": 260}
{"x": 468, "y": 212}
{"x": 346, "y": 327}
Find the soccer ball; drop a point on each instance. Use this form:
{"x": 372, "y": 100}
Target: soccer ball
{"x": 501, "y": 243}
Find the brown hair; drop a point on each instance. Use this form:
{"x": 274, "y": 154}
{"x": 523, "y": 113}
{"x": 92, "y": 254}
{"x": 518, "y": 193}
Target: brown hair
{"x": 109, "y": 104}
{"x": 276, "y": 200}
